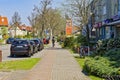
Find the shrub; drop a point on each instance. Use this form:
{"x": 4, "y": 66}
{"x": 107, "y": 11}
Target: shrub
{"x": 99, "y": 66}
{"x": 82, "y": 40}
{"x": 114, "y": 56}
{"x": 68, "y": 42}
{"x": 105, "y": 45}
{"x": 19, "y": 36}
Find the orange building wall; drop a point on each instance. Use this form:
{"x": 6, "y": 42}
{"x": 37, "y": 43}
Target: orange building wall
{"x": 3, "y": 21}
{"x": 68, "y": 27}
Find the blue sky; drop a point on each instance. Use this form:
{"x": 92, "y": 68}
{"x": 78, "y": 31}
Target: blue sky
{"x": 23, "y": 7}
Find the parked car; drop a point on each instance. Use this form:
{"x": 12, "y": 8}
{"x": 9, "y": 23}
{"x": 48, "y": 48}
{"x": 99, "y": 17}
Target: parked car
{"x": 21, "y": 47}
{"x": 46, "y": 40}
{"x": 42, "y": 44}
{"x": 10, "y": 40}
{"x": 34, "y": 46}
{"x": 38, "y": 44}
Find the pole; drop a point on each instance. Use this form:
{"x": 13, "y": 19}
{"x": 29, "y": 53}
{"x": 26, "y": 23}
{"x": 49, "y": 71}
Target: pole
{"x": 0, "y": 56}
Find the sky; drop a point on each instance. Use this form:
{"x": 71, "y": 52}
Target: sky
{"x": 23, "y": 7}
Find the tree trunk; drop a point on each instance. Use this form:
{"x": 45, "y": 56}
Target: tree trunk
{"x": 88, "y": 38}
{"x": 87, "y": 34}
{"x": 15, "y": 32}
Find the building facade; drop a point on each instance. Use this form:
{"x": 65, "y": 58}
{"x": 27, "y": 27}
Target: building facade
{"x": 3, "y": 27}
{"x": 106, "y": 18}
{"x": 21, "y": 30}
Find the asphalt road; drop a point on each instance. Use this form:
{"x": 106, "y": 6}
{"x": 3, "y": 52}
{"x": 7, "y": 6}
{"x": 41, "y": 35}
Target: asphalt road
{"x": 6, "y": 54}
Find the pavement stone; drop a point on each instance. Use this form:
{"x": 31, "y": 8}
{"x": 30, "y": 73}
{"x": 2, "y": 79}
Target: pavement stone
{"x": 56, "y": 64}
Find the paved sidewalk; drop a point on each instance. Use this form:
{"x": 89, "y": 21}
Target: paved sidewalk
{"x": 56, "y": 64}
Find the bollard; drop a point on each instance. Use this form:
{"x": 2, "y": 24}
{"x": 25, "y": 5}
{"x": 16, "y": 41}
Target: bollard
{"x": 0, "y": 56}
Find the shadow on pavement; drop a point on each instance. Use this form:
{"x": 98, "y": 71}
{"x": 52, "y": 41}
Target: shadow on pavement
{"x": 18, "y": 56}
{"x": 54, "y": 48}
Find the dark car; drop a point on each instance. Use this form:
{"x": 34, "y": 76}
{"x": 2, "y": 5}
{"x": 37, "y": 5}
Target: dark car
{"x": 42, "y": 43}
{"x": 21, "y": 47}
{"x": 35, "y": 49}
{"x": 38, "y": 43}
{"x": 10, "y": 40}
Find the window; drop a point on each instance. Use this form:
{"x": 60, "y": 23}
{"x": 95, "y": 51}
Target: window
{"x": 104, "y": 10}
{"x": 118, "y": 5}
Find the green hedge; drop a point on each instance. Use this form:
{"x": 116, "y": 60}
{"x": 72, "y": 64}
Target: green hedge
{"x": 106, "y": 45}
{"x": 68, "y": 42}
{"x": 108, "y": 64}
{"x": 100, "y": 67}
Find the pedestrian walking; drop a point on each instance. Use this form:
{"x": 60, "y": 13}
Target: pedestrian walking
{"x": 53, "y": 42}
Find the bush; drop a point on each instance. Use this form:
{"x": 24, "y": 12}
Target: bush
{"x": 113, "y": 43}
{"x": 114, "y": 56}
{"x": 82, "y": 40}
{"x": 105, "y": 45}
{"x": 1, "y": 41}
{"x": 68, "y": 42}
{"x": 19, "y": 36}
{"x": 100, "y": 67}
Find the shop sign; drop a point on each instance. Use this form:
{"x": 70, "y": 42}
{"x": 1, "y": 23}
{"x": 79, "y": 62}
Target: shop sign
{"x": 99, "y": 24}
{"x": 108, "y": 20}
{"x": 116, "y": 17}
{"x": 95, "y": 25}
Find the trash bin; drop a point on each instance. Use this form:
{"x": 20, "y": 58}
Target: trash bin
{"x": 0, "y": 56}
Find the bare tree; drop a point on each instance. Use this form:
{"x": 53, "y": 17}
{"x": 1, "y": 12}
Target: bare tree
{"x": 32, "y": 21}
{"x": 16, "y": 21}
{"x": 80, "y": 12}
{"x": 46, "y": 18}
{"x": 55, "y": 21}
{"x": 41, "y": 12}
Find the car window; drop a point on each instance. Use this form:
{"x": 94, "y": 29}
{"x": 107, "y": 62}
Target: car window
{"x": 20, "y": 42}
{"x": 31, "y": 43}
{"x": 15, "y": 42}
{"x": 36, "y": 41}
{"x": 23, "y": 42}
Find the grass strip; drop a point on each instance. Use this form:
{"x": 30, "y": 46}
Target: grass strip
{"x": 81, "y": 62}
{"x": 25, "y": 64}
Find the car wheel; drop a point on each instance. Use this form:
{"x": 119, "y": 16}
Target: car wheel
{"x": 38, "y": 49}
{"x": 29, "y": 54}
{"x": 11, "y": 55}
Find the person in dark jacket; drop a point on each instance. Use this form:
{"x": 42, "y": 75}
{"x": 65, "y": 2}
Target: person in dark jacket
{"x": 53, "y": 42}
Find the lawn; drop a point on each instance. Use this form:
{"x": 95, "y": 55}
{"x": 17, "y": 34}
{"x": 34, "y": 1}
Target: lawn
{"x": 25, "y": 64}
{"x": 81, "y": 63}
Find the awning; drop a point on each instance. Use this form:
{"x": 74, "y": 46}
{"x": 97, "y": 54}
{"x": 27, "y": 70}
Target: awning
{"x": 113, "y": 23}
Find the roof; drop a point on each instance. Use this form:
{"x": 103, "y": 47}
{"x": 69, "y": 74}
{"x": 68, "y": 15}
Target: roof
{"x": 23, "y": 27}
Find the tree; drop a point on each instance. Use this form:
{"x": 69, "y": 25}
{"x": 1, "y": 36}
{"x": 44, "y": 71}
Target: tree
{"x": 44, "y": 17}
{"x": 16, "y": 21}
{"x": 56, "y": 22}
{"x": 41, "y": 13}
{"x": 80, "y": 12}
{"x": 32, "y": 21}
